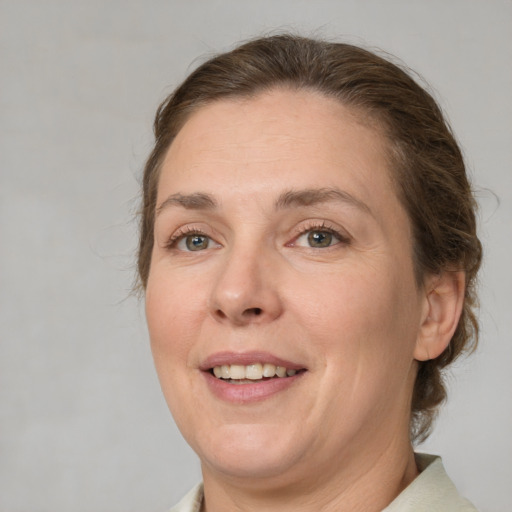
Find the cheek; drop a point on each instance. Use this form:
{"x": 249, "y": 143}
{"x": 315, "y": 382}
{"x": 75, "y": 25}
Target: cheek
{"x": 365, "y": 316}
{"x": 172, "y": 311}
{"x": 172, "y": 316}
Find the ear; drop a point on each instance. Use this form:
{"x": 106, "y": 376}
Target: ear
{"x": 444, "y": 298}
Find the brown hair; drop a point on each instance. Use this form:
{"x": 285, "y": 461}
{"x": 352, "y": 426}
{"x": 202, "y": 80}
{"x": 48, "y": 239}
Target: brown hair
{"x": 427, "y": 163}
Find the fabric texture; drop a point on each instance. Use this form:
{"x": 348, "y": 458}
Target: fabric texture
{"x": 191, "y": 502}
{"x": 431, "y": 491}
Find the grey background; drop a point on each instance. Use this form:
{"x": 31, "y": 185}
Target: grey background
{"x": 83, "y": 425}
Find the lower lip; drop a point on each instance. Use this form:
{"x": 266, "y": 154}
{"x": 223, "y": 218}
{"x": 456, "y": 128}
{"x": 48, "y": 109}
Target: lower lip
{"x": 247, "y": 393}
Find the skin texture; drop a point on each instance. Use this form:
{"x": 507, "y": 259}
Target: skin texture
{"x": 350, "y": 314}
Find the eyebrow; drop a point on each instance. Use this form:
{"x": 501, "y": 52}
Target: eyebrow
{"x": 314, "y": 196}
{"x": 288, "y": 199}
{"x": 195, "y": 201}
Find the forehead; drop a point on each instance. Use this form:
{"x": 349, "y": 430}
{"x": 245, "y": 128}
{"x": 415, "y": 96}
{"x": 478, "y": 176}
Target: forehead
{"x": 300, "y": 137}
{"x": 296, "y": 133}
{"x": 281, "y": 112}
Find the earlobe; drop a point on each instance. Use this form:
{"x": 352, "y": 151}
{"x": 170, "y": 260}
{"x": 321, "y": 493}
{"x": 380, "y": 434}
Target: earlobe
{"x": 444, "y": 299}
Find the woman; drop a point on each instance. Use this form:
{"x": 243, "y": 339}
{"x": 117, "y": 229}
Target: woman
{"x": 308, "y": 253}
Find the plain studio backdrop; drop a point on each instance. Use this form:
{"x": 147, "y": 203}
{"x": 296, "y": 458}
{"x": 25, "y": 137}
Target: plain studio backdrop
{"x": 83, "y": 425}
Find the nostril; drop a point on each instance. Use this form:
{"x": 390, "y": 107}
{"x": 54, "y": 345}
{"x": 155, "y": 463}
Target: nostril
{"x": 253, "y": 311}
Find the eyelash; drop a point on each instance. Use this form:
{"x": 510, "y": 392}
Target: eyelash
{"x": 320, "y": 227}
{"x": 182, "y": 233}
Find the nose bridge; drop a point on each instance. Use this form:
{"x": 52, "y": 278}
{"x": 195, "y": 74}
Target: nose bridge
{"x": 245, "y": 290}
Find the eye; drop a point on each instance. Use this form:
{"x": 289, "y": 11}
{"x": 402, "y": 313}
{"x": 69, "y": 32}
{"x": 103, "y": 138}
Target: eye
{"x": 193, "y": 242}
{"x": 190, "y": 239}
{"x": 318, "y": 238}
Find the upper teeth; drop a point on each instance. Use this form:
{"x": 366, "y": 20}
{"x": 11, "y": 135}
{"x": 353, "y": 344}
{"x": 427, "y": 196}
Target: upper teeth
{"x": 254, "y": 371}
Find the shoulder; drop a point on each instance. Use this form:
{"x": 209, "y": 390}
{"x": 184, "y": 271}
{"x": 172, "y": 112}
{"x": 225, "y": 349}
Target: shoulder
{"x": 191, "y": 502}
{"x": 431, "y": 491}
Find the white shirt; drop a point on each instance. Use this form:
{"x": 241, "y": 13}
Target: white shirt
{"x": 431, "y": 491}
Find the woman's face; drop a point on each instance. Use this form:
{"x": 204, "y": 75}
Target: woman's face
{"x": 280, "y": 243}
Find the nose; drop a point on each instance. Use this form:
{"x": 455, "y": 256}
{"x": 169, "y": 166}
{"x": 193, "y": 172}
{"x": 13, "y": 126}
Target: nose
{"x": 246, "y": 289}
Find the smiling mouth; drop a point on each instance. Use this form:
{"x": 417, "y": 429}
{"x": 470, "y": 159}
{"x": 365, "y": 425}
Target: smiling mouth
{"x": 252, "y": 373}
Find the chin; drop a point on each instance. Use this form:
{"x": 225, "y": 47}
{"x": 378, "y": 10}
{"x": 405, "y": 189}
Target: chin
{"x": 249, "y": 451}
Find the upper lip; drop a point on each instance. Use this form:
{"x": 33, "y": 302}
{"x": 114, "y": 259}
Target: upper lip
{"x": 247, "y": 358}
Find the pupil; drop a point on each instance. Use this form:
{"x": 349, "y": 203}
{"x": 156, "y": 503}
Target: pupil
{"x": 320, "y": 238}
{"x": 197, "y": 242}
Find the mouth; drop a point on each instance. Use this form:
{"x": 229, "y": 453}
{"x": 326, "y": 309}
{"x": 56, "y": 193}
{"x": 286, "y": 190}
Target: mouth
{"x": 247, "y": 377}
{"x": 252, "y": 373}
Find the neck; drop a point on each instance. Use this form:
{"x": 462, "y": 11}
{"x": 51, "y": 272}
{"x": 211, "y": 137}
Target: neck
{"x": 366, "y": 484}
